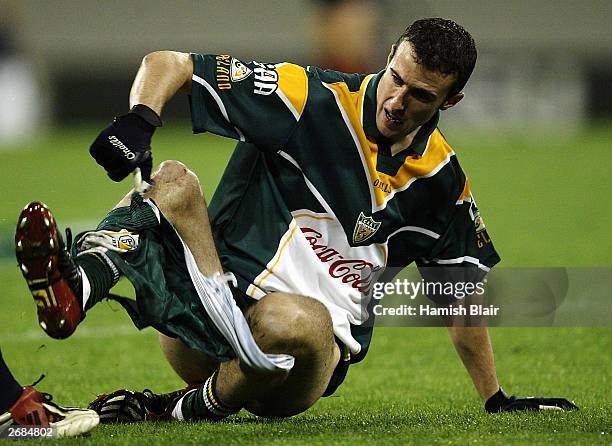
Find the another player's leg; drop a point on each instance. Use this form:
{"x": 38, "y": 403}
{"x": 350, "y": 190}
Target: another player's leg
{"x": 26, "y": 406}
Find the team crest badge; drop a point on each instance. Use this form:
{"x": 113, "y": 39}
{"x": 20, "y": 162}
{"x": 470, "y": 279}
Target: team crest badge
{"x": 239, "y": 71}
{"x": 125, "y": 241}
{"x": 365, "y": 228}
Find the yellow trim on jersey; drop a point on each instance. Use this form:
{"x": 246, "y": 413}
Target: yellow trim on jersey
{"x": 436, "y": 152}
{"x": 361, "y": 95}
{"x": 293, "y": 82}
{"x": 383, "y": 185}
{"x": 383, "y": 249}
{"x": 316, "y": 217}
{"x": 466, "y": 193}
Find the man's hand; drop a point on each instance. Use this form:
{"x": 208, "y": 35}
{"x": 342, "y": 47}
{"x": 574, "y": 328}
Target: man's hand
{"x": 500, "y": 402}
{"x": 126, "y": 144}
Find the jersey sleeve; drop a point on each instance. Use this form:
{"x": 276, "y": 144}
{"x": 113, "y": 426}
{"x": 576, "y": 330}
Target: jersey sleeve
{"x": 251, "y": 102}
{"x": 464, "y": 252}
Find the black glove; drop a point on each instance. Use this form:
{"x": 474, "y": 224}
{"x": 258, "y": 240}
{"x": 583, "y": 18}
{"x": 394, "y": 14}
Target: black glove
{"x": 126, "y": 144}
{"x": 500, "y": 402}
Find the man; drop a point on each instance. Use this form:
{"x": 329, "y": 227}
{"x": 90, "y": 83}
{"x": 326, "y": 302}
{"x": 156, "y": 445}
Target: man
{"x": 25, "y": 412}
{"x": 335, "y": 177}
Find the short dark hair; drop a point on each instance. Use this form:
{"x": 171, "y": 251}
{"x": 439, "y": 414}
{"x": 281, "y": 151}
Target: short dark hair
{"x": 444, "y": 46}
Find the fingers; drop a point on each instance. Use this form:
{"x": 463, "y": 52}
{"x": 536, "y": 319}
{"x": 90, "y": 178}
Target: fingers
{"x": 560, "y": 403}
{"x": 146, "y": 166}
{"x": 142, "y": 175}
{"x": 141, "y": 186}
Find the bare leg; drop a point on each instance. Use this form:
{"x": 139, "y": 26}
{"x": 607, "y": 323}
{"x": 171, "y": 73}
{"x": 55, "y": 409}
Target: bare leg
{"x": 192, "y": 366}
{"x": 281, "y": 323}
{"x": 284, "y": 323}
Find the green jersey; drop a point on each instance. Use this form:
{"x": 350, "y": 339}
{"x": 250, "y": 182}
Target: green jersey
{"x": 313, "y": 202}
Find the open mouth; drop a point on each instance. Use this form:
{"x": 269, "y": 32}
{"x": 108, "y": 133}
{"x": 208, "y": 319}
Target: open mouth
{"x": 391, "y": 121}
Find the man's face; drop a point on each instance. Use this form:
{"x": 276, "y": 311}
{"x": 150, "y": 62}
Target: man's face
{"x": 409, "y": 94}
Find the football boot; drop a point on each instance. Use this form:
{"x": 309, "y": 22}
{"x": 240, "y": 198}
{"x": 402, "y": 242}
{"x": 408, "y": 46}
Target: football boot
{"x": 36, "y": 409}
{"x": 52, "y": 275}
{"x": 127, "y": 406}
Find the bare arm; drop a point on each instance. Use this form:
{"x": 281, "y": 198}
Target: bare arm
{"x": 474, "y": 347}
{"x": 160, "y": 76}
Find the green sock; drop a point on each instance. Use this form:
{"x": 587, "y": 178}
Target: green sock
{"x": 101, "y": 273}
{"x": 203, "y": 404}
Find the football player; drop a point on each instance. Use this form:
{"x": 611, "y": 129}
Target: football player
{"x": 260, "y": 297}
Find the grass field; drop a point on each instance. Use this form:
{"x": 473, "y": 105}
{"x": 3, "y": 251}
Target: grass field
{"x": 545, "y": 203}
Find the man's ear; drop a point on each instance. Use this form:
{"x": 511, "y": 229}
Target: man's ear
{"x": 452, "y": 101}
{"x": 391, "y": 53}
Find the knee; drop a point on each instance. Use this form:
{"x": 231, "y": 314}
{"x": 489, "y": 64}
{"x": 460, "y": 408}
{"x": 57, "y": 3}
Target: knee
{"x": 286, "y": 323}
{"x": 174, "y": 172}
{"x": 176, "y": 187}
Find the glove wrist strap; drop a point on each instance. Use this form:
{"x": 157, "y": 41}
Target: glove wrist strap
{"x": 495, "y": 402}
{"x": 147, "y": 114}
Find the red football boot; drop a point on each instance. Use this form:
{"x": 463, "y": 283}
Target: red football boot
{"x": 52, "y": 275}
{"x": 35, "y": 409}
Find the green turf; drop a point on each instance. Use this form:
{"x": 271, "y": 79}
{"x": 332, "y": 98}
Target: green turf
{"x": 544, "y": 201}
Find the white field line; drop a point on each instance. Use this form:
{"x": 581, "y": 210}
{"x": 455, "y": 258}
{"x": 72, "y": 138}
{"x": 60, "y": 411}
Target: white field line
{"x": 37, "y": 334}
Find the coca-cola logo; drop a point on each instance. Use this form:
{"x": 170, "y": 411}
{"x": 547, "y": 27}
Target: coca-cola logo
{"x": 358, "y": 273}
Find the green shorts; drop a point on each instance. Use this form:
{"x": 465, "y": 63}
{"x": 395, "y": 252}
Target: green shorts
{"x": 165, "y": 296}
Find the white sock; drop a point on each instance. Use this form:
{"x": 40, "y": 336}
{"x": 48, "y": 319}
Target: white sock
{"x": 86, "y": 287}
{"x": 177, "y": 412}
